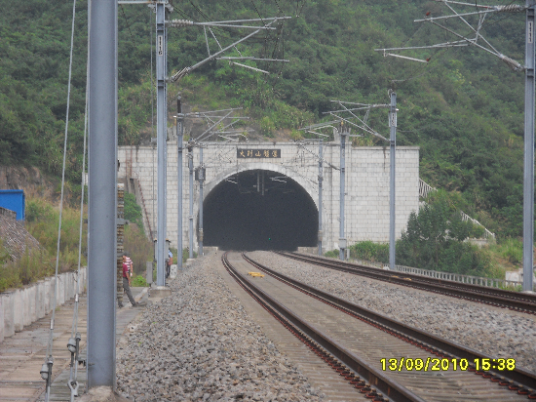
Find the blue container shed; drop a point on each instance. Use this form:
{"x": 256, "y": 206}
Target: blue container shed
{"x": 14, "y": 201}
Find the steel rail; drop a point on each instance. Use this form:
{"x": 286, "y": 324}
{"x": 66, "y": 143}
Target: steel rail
{"x": 523, "y": 302}
{"x": 367, "y": 377}
{"x": 519, "y": 380}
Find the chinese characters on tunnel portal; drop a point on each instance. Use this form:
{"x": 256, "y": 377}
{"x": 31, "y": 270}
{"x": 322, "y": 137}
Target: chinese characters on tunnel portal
{"x": 258, "y": 153}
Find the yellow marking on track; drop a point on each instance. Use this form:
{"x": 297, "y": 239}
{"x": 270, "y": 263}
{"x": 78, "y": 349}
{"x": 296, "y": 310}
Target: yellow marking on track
{"x": 256, "y": 274}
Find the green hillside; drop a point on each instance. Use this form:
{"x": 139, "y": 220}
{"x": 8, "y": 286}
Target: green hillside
{"x": 464, "y": 108}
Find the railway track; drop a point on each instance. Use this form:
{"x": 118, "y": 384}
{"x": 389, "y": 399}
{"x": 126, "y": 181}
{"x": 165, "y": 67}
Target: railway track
{"x": 355, "y": 346}
{"x": 522, "y": 302}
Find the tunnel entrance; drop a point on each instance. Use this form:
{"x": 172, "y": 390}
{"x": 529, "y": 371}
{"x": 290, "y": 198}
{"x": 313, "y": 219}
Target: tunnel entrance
{"x": 259, "y": 210}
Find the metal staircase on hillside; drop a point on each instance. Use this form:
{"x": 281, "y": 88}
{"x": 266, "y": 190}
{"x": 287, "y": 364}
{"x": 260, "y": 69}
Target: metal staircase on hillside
{"x": 132, "y": 180}
{"x": 425, "y": 189}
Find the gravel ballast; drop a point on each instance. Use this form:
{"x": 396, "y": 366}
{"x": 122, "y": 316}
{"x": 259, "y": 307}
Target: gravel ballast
{"x": 200, "y": 345}
{"x": 494, "y": 331}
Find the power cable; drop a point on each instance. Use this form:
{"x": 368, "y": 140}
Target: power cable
{"x": 49, "y": 361}
{"x": 198, "y": 9}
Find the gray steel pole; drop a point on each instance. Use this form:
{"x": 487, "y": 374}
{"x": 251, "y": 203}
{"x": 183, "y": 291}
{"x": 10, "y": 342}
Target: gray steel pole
{"x": 320, "y": 179}
{"x": 161, "y": 135}
{"x": 342, "y": 239}
{"x": 180, "y": 135}
{"x": 392, "y": 180}
{"x": 103, "y": 195}
{"x": 191, "y": 185}
{"x": 528, "y": 176}
{"x": 201, "y": 179}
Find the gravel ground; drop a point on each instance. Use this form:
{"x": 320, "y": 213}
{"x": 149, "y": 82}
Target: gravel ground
{"x": 494, "y": 331}
{"x": 200, "y": 345}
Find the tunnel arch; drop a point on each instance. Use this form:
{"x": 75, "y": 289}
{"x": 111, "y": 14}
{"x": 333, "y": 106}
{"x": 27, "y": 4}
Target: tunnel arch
{"x": 270, "y": 167}
{"x": 283, "y": 218}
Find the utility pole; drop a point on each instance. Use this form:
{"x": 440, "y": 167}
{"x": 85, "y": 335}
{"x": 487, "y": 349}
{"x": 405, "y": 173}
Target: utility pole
{"x": 214, "y": 120}
{"x": 392, "y": 181}
{"x": 191, "y": 183}
{"x": 103, "y": 194}
{"x": 528, "y": 175}
{"x": 342, "y": 239}
{"x": 180, "y": 135}
{"x": 201, "y": 179}
{"x": 320, "y": 179}
{"x": 161, "y": 135}
{"x": 345, "y": 132}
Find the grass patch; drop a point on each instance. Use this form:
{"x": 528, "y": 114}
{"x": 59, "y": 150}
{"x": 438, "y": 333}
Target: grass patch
{"x": 508, "y": 253}
{"x": 42, "y": 219}
{"x": 139, "y": 281}
{"x": 42, "y": 224}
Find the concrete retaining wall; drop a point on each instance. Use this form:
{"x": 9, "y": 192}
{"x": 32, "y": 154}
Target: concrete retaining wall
{"x": 21, "y": 307}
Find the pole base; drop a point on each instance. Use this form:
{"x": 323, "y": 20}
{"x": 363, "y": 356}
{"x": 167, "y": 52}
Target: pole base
{"x": 102, "y": 394}
{"x": 159, "y": 291}
{"x": 190, "y": 261}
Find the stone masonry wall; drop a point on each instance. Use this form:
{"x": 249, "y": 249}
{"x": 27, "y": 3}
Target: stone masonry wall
{"x": 367, "y": 183}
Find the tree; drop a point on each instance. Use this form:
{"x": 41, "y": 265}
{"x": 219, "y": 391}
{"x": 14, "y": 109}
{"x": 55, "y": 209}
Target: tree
{"x": 435, "y": 238}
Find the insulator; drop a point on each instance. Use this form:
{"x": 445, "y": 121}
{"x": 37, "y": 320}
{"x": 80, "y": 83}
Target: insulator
{"x": 512, "y": 8}
{"x": 182, "y": 23}
{"x": 177, "y": 76}
{"x": 514, "y": 65}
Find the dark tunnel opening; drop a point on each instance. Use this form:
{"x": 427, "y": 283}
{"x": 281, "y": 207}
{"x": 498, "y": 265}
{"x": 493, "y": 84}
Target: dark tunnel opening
{"x": 277, "y": 215}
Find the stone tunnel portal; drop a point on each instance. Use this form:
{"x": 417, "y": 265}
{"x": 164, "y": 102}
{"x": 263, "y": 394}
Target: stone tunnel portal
{"x": 259, "y": 210}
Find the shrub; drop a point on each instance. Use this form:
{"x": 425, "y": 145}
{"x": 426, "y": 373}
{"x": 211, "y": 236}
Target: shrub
{"x": 138, "y": 247}
{"x": 296, "y": 135}
{"x": 27, "y": 269}
{"x": 435, "y": 239}
{"x": 332, "y": 254}
{"x": 267, "y": 126}
{"x": 37, "y": 208}
{"x": 370, "y": 251}
{"x": 510, "y": 250}
{"x": 477, "y": 232}
{"x": 133, "y": 211}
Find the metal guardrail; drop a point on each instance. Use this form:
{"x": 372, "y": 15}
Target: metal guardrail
{"x": 473, "y": 280}
{"x": 424, "y": 189}
{"x": 487, "y": 233}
